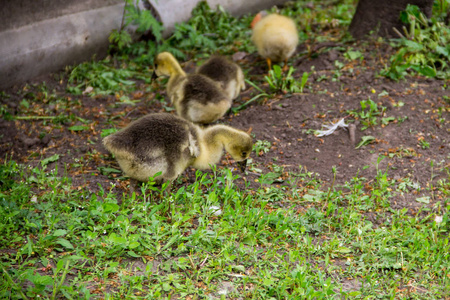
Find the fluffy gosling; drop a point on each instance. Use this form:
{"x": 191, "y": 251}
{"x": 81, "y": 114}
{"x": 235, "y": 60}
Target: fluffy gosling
{"x": 275, "y": 36}
{"x": 195, "y": 97}
{"x": 168, "y": 144}
{"x": 227, "y": 73}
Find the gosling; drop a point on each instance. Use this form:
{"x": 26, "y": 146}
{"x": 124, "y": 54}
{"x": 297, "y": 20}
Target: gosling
{"x": 227, "y": 73}
{"x": 166, "y": 144}
{"x": 275, "y": 36}
{"x": 196, "y": 98}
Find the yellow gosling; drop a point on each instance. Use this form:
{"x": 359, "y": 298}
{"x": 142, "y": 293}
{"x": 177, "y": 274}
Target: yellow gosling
{"x": 169, "y": 144}
{"x": 276, "y": 38}
{"x": 195, "y": 97}
{"x": 227, "y": 73}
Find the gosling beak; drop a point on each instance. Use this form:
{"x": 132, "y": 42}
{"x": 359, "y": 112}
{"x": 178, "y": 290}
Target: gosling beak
{"x": 256, "y": 19}
{"x": 154, "y": 76}
{"x": 242, "y": 165}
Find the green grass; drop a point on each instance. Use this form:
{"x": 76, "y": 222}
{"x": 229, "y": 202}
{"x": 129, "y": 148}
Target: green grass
{"x": 284, "y": 83}
{"x": 300, "y": 240}
{"x": 370, "y": 114}
{"x": 423, "y": 48}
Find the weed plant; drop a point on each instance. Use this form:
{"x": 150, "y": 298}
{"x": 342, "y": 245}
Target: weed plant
{"x": 279, "y": 82}
{"x": 423, "y": 47}
{"x": 209, "y": 30}
{"x": 369, "y": 114}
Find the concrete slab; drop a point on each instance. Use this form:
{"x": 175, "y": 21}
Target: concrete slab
{"x": 49, "y": 45}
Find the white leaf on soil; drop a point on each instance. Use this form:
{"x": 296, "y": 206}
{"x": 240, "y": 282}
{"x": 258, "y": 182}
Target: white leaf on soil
{"x": 331, "y": 128}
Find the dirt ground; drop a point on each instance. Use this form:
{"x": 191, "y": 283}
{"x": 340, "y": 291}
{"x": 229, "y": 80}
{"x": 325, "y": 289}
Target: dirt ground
{"x": 419, "y": 108}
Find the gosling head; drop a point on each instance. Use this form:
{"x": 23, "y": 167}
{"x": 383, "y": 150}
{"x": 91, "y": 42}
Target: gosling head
{"x": 165, "y": 65}
{"x": 258, "y": 18}
{"x": 240, "y": 149}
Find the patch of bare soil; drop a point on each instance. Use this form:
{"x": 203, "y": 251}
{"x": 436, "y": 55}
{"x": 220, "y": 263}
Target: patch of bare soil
{"x": 416, "y": 114}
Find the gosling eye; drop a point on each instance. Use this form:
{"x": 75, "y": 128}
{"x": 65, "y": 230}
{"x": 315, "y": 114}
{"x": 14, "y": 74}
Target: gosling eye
{"x": 244, "y": 154}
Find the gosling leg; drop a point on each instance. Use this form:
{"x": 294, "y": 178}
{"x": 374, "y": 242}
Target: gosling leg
{"x": 134, "y": 186}
{"x": 269, "y": 63}
{"x": 285, "y": 67}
